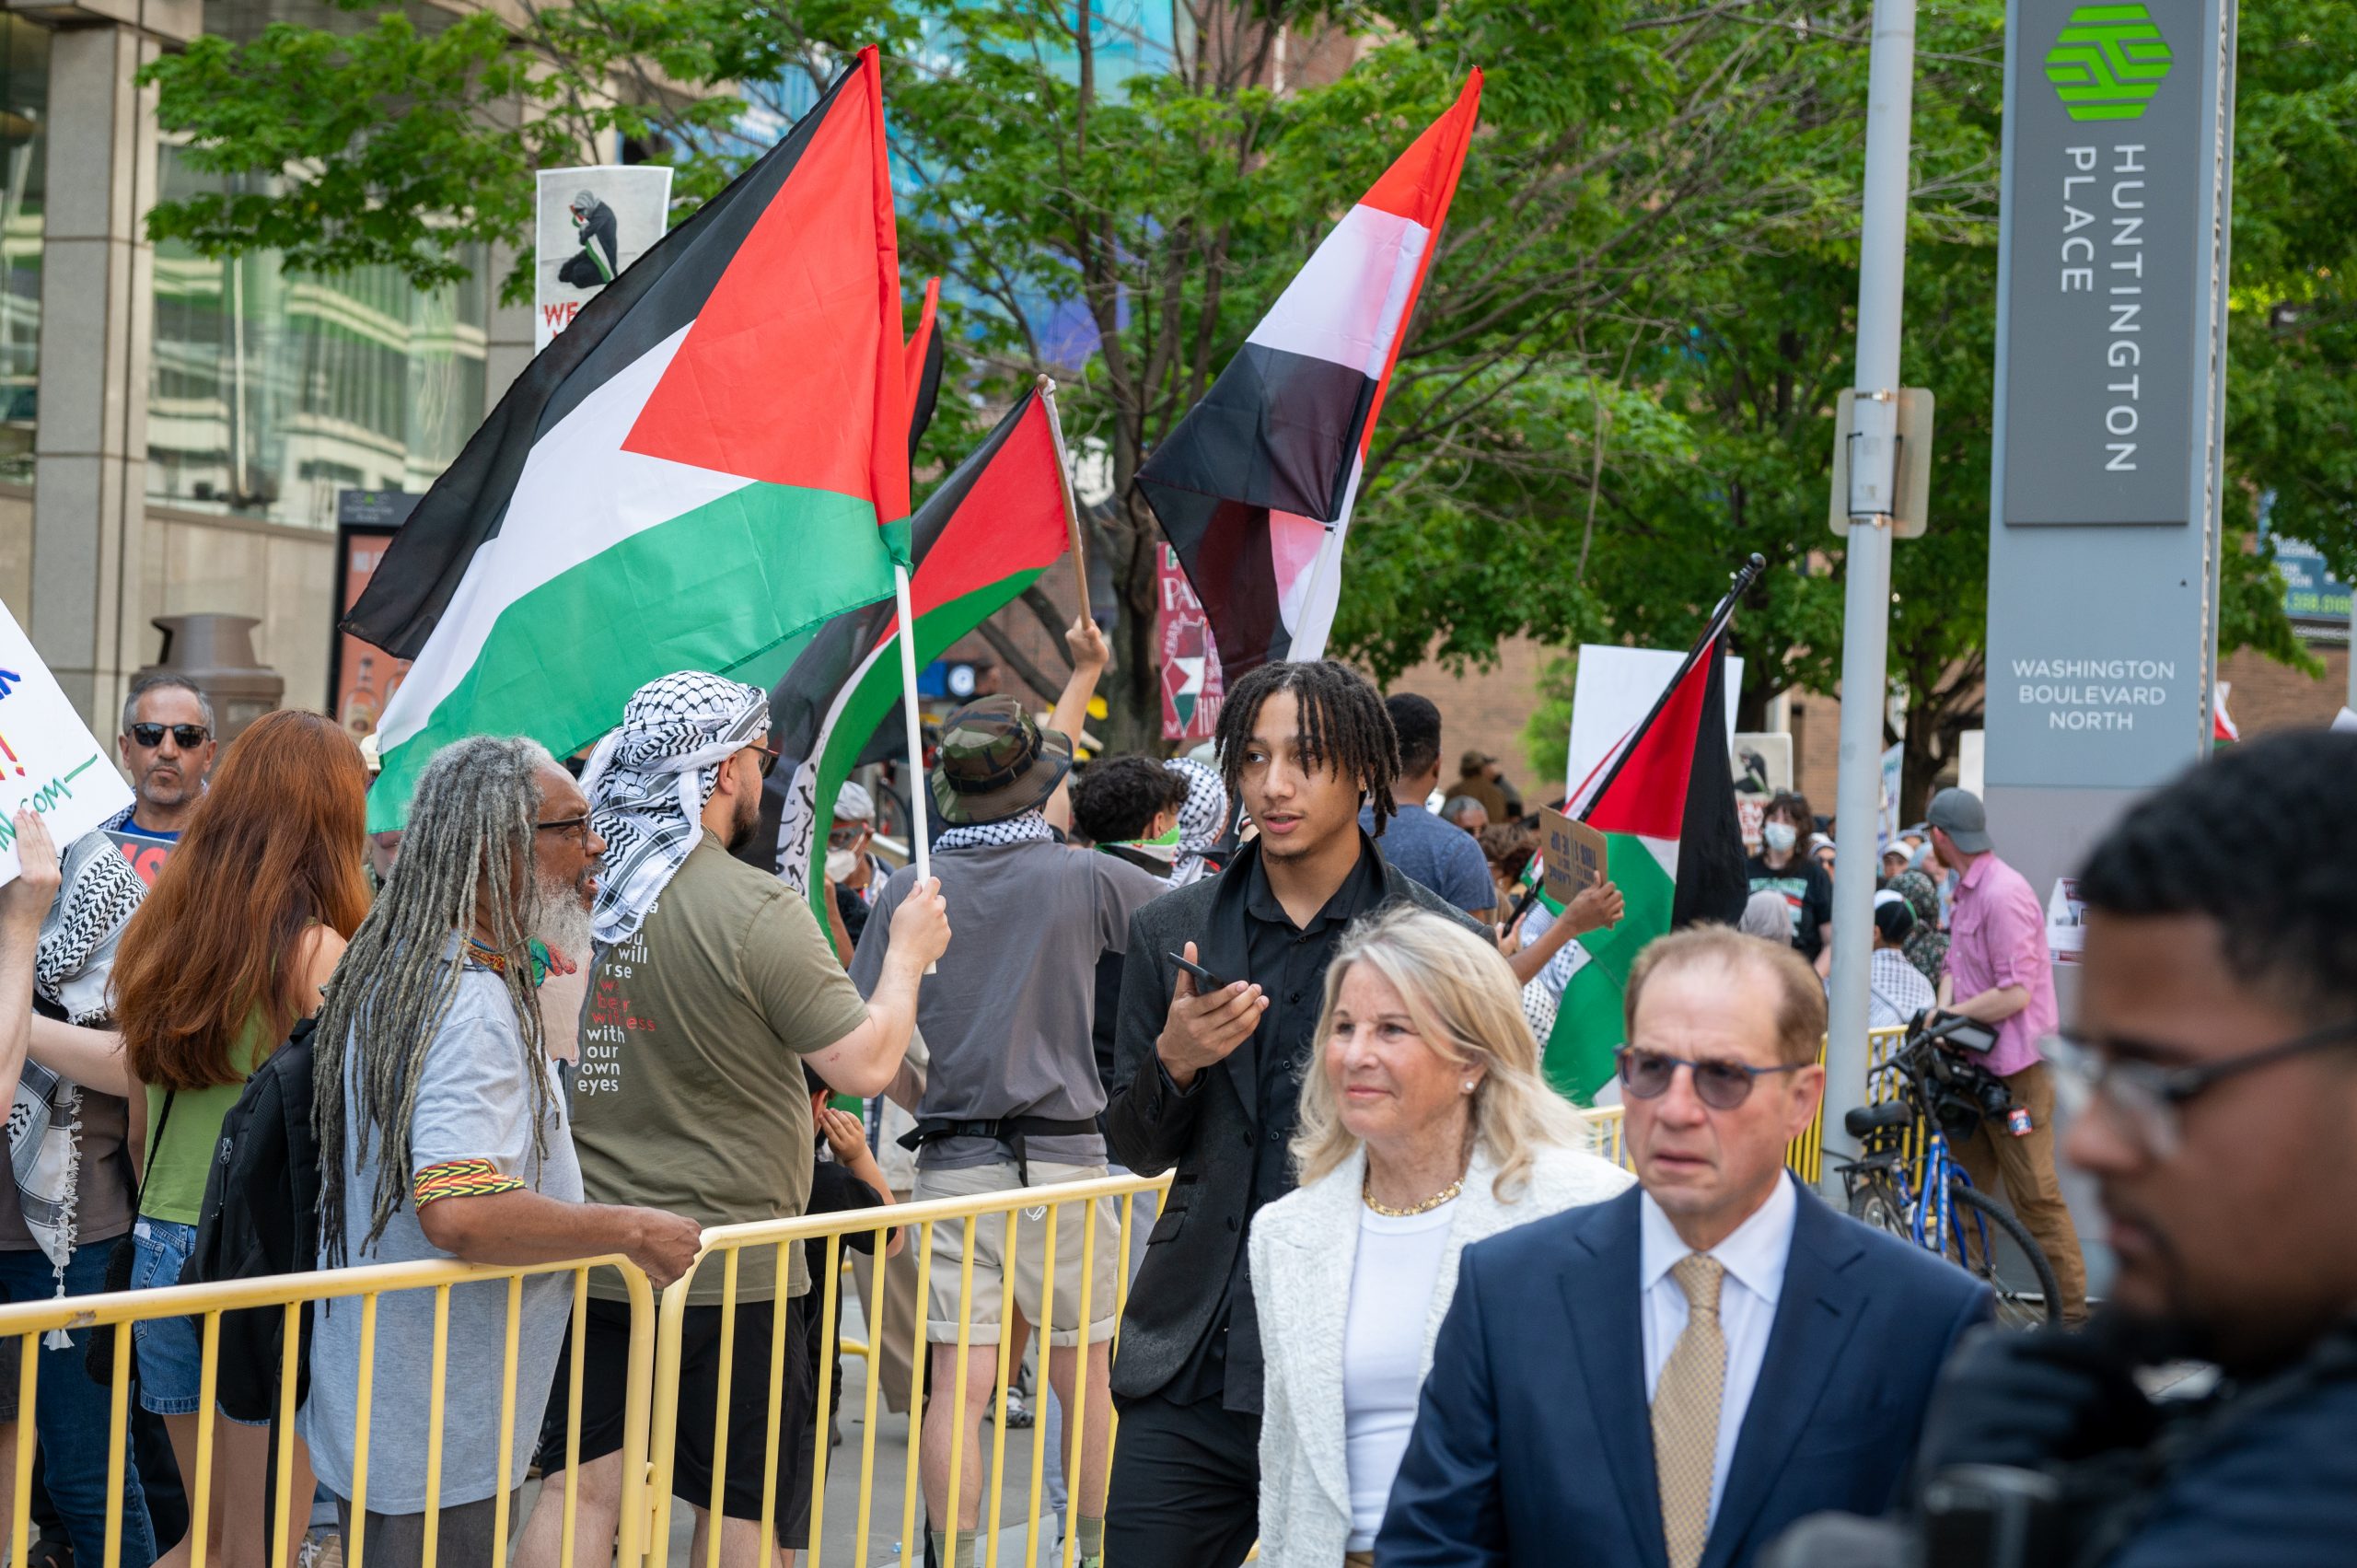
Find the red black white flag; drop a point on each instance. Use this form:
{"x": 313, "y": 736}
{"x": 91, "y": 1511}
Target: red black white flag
{"x": 1254, "y": 488}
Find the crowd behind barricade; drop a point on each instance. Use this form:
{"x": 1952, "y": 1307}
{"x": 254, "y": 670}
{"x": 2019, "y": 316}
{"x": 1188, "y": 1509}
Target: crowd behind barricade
{"x": 1393, "y": 1308}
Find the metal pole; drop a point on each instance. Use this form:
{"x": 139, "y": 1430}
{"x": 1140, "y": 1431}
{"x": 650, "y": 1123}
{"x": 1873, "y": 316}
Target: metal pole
{"x": 1865, "y": 633}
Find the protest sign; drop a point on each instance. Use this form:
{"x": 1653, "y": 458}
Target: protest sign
{"x": 1572, "y": 854}
{"x": 49, "y": 759}
{"x": 146, "y": 854}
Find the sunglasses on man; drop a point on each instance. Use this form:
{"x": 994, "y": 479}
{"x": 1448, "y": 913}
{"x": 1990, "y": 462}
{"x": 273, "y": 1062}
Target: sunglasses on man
{"x": 1721, "y": 1086}
{"x": 188, "y": 736}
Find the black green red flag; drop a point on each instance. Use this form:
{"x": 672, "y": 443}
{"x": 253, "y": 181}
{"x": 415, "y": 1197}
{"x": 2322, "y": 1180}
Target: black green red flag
{"x": 703, "y": 470}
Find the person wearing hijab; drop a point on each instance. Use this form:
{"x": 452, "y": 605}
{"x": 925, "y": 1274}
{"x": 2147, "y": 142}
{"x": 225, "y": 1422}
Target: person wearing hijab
{"x": 1927, "y": 946}
{"x": 712, "y": 984}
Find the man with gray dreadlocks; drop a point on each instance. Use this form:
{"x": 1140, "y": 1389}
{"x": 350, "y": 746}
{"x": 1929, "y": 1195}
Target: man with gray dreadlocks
{"x": 442, "y": 1134}
{"x": 712, "y": 986}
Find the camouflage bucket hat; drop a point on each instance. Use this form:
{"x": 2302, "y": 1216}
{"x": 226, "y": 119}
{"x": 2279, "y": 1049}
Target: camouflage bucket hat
{"x": 996, "y": 763}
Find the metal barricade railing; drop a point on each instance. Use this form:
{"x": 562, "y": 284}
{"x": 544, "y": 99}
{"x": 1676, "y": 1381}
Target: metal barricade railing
{"x": 27, "y": 1322}
{"x": 1020, "y": 1212}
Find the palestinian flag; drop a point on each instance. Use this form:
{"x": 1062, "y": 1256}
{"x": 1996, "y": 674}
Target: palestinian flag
{"x": 921, "y": 366}
{"x": 1664, "y": 801}
{"x": 1255, "y": 486}
{"x": 697, "y": 474}
{"x": 981, "y": 539}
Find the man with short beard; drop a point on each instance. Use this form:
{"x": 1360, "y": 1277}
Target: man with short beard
{"x": 442, "y": 1134}
{"x": 710, "y": 984}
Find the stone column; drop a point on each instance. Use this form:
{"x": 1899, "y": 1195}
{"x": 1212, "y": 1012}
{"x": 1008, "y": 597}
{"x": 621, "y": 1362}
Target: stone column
{"x": 98, "y": 310}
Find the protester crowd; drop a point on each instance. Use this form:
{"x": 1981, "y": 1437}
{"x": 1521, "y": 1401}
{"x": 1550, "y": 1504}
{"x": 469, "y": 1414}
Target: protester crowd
{"x": 1394, "y": 1307}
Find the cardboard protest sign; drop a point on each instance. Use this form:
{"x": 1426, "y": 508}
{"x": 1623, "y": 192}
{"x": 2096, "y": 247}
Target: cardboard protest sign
{"x": 49, "y": 759}
{"x": 1572, "y": 854}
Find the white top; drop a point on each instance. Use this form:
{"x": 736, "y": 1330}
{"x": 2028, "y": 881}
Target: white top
{"x": 1754, "y": 1257}
{"x": 1383, "y": 1344}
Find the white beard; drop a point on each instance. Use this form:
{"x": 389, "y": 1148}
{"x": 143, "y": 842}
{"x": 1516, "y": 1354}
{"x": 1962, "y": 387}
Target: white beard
{"x": 556, "y": 919}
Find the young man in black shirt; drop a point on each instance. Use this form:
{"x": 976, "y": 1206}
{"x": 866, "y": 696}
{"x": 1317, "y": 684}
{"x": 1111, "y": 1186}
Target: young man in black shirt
{"x": 1206, "y": 1079}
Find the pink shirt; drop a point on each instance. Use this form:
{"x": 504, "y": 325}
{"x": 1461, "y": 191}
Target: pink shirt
{"x": 1997, "y": 937}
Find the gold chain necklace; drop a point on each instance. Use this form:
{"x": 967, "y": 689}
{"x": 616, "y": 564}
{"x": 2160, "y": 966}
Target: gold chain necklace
{"x": 1447, "y": 1194}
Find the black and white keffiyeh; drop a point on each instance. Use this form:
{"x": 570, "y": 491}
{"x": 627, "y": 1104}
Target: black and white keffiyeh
{"x": 73, "y": 964}
{"x": 648, "y": 781}
{"x": 1023, "y": 828}
{"x": 1201, "y": 820}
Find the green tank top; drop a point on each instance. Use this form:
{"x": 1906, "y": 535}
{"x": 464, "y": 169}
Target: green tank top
{"x": 177, "y": 1170}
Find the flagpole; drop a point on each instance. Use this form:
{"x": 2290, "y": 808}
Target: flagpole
{"x": 920, "y": 844}
{"x": 1046, "y": 386}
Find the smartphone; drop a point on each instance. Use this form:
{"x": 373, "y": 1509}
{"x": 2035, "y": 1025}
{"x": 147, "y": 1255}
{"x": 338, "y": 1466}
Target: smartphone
{"x": 1206, "y": 981}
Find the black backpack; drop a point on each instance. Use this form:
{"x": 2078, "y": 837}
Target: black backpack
{"x": 268, "y": 1161}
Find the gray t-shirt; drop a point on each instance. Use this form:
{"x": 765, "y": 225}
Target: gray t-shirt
{"x": 472, "y": 1128}
{"x": 1007, "y": 1018}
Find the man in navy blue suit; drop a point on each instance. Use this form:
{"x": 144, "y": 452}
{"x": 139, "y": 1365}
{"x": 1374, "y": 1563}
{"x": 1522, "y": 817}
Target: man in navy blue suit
{"x": 1668, "y": 1379}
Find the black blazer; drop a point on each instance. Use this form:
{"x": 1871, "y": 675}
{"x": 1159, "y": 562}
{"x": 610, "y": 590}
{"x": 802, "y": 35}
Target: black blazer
{"x": 1208, "y": 1134}
{"x": 1534, "y": 1440}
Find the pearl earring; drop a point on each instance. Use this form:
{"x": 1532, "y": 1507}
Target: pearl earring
{"x": 1468, "y": 1085}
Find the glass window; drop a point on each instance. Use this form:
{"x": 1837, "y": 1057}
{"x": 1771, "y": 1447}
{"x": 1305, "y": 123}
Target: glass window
{"x": 24, "y": 146}
{"x": 271, "y": 390}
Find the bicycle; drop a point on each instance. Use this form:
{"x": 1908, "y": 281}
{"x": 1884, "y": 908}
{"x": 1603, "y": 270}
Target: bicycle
{"x": 1933, "y": 1205}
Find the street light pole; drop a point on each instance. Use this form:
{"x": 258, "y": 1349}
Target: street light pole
{"x": 1865, "y": 624}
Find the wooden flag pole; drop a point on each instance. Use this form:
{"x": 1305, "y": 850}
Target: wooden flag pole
{"x": 919, "y": 840}
{"x": 1046, "y": 386}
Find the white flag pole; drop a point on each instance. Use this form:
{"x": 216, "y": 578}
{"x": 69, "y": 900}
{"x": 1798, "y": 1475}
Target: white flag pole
{"x": 920, "y": 847}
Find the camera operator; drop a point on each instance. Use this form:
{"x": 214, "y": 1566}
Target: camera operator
{"x": 2217, "y": 1033}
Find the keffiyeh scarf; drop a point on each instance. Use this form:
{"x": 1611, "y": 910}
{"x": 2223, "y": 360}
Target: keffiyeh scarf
{"x": 1023, "y": 828}
{"x": 1201, "y": 820}
{"x": 648, "y": 781}
{"x": 96, "y": 895}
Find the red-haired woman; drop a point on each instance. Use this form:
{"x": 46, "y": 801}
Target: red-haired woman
{"x": 242, "y": 928}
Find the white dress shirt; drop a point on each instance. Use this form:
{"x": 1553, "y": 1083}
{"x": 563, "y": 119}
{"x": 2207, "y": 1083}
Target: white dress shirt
{"x": 1754, "y": 1257}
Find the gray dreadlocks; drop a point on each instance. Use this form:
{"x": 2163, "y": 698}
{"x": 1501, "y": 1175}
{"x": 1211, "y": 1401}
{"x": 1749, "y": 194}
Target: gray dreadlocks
{"x": 470, "y": 830}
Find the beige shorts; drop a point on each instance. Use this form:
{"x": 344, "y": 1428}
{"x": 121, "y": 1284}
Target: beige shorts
{"x": 1030, "y": 1228}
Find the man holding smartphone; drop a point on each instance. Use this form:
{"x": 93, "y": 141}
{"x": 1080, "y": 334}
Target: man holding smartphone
{"x": 1206, "y": 1079}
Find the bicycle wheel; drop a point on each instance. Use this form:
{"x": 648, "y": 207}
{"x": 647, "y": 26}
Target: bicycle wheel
{"x": 1995, "y": 1248}
{"x": 1874, "y": 1202}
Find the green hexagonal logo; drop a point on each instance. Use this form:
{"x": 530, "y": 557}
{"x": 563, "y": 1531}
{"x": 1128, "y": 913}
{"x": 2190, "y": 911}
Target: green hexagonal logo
{"x": 2108, "y": 62}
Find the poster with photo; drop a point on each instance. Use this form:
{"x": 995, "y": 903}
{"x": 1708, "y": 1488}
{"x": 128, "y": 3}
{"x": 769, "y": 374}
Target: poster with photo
{"x": 591, "y": 224}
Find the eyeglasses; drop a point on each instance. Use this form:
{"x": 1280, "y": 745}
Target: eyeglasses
{"x": 188, "y": 736}
{"x": 578, "y": 825}
{"x": 769, "y": 757}
{"x": 2146, "y": 1098}
{"x": 1721, "y": 1086}
{"x": 845, "y": 838}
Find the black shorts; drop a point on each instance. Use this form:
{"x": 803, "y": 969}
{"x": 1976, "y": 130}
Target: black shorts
{"x": 605, "y": 1377}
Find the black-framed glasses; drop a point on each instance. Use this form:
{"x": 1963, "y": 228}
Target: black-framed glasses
{"x": 578, "y": 825}
{"x": 187, "y": 737}
{"x": 769, "y": 757}
{"x": 846, "y": 838}
{"x": 2147, "y": 1099}
{"x": 1721, "y": 1086}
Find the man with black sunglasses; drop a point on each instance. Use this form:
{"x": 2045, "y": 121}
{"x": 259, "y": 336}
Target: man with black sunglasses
{"x": 167, "y": 746}
{"x": 2213, "y": 1064}
{"x": 1674, "y": 1375}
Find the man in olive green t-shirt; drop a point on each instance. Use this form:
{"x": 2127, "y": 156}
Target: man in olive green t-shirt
{"x": 711, "y": 985}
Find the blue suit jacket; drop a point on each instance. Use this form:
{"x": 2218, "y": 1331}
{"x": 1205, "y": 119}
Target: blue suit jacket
{"x": 1534, "y": 1441}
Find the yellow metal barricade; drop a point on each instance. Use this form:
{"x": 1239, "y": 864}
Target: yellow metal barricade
{"x": 1606, "y": 1126}
{"x": 1020, "y": 1212}
{"x": 362, "y": 1288}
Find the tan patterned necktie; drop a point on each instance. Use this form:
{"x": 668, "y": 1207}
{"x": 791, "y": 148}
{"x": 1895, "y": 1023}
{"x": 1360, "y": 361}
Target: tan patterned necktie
{"x": 1686, "y": 1412}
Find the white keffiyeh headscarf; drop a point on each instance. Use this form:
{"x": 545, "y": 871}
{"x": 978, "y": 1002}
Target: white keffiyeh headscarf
{"x": 1201, "y": 820}
{"x": 648, "y": 782}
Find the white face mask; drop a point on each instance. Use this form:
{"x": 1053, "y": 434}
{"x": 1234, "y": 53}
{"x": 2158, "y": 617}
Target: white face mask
{"x": 841, "y": 864}
{"x": 1778, "y": 836}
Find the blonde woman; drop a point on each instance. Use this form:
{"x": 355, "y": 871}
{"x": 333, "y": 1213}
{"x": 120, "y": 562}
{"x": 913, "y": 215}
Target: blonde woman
{"x": 1426, "y": 1126}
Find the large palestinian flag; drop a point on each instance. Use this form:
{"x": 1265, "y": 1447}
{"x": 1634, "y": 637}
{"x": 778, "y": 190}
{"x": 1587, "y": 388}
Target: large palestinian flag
{"x": 696, "y": 475}
{"x": 981, "y": 539}
{"x": 1664, "y": 799}
{"x": 1255, "y": 486}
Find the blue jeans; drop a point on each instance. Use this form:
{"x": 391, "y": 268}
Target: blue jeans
{"x": 71, "y": 1412}
{"x": 170, "y": 1351}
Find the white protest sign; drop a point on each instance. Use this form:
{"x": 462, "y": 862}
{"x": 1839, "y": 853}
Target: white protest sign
{"x": 49, "y": 759}
{"x": 592, "y": 223}
{"x": 1615, "y": 690}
